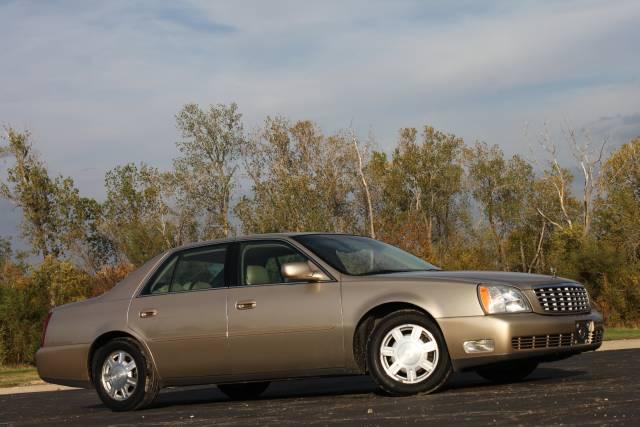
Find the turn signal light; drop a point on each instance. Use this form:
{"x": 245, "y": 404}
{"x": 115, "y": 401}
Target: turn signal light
{"x": 479, "y": 346}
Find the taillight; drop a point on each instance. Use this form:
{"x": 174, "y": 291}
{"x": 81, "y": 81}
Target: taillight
{"x": 44, "y": 329}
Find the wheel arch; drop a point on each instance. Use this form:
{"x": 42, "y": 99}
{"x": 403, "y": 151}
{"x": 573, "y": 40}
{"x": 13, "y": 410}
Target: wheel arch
{"x": 106, "y": 337}
{"x": 368, "y": 321}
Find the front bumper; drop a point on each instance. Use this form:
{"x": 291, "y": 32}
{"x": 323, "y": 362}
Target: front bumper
{"x": 549, "y": 335}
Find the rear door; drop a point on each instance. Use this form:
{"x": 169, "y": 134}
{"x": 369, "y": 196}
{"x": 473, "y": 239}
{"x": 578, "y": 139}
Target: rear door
{"x": 279, "y": 326}
{"x": 182, "y": 313}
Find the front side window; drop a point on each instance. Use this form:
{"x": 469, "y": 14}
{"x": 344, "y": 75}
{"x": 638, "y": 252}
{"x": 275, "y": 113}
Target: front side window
{"x": 361, "y": 256}
{"x": 261, "y": 262}
{"x": 192, "y": 270}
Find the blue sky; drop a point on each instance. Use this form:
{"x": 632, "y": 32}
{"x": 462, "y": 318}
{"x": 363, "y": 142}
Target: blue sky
{"x": 99, "y": 83}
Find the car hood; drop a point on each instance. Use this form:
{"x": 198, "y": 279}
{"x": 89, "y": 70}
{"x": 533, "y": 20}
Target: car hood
{"x": 522, "y": 280}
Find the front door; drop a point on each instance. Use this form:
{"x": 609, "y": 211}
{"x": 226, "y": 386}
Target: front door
{"x": 181, "y": 313}
{"x": 278, "y": 326}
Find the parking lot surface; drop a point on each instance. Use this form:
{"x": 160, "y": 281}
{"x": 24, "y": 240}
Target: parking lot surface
{"x": 593, "y": 388}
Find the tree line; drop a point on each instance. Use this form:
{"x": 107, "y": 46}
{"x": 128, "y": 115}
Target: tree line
{"x": 458, "y": 205}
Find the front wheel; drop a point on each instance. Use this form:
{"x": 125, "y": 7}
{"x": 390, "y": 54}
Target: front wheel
{"x": 244, "y": 391}
{"x": 508, "y": 371}
{"x": 407, "y": 354}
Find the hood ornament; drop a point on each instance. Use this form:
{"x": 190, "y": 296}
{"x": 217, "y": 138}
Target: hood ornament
{"x": 553, "y": 272}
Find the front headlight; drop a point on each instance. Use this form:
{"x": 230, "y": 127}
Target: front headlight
{"x": 502, "y": 299}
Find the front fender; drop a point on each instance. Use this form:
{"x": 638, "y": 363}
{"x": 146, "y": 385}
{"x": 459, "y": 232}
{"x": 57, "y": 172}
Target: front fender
{"x": 439, "y": 300}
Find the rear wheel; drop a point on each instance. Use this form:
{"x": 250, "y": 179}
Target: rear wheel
{"x": 407, "y": 354}
{"x": 244, "y": 391}
{"x": 123, "y": 376}
{"x": 508, "y": 371}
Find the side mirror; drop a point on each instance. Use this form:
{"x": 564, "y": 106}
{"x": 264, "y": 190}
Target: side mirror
{"x": 301, "y": 271}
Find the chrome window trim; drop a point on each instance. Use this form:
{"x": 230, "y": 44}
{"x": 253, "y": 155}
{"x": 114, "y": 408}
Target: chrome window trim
{"x": 279, "y": 284}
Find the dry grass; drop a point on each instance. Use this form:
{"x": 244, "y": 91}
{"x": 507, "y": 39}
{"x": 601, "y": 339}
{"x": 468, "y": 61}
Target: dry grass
{"x": 18, "y": 376}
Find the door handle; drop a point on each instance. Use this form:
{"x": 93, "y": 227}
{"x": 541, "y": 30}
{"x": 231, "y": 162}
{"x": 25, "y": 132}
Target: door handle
{"x": 148, "y": 313}
{"x": 245, "y": 305}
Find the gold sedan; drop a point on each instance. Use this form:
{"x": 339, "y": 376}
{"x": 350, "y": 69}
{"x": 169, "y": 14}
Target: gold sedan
{"x": 242, "y": 312}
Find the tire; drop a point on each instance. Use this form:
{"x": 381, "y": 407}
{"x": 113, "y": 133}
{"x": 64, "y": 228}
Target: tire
{"x": 244, "y": 391}
{"x": 427, "y": 356}
{"x": 508, "y": 372}
{"x": 113, "y": 383}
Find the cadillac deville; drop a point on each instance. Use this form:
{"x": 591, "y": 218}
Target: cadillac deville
{"x": 242, "y": 312}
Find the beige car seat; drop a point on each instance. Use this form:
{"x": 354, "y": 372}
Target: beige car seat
{"x": 256, "y": 275}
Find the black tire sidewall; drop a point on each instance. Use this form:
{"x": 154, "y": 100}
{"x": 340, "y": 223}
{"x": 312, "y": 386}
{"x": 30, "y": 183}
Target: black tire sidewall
{"x": 443, "y": 368}
{"x": 141, "y": 364}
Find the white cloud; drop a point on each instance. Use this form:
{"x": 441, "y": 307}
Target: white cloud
{"x": 99, "y": 83}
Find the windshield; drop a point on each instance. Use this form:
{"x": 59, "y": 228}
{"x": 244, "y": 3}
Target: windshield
{"x": 361, "y": 256}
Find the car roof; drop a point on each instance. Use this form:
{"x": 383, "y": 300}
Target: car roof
{"x": 255, "y": 236}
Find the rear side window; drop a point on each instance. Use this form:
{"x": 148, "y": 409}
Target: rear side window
{"x": 162, "y": 280}
{"x": 192, "y": 270}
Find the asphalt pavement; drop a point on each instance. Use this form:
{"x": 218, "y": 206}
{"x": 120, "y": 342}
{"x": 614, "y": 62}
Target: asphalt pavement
{"x": 597, "y": 388}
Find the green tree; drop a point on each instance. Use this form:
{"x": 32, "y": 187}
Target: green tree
{"x": 301, "y": 181}
{"x": 502, "y": 188}
{"x": 203, "y": 176}
{"x": 26, "y": 296}
{"x": 5, "y": 251}
{"x": 30, "y": 189}
{"x": 56, "y": 220}
{"x": 422, "y": 188}
{"x": 136, "y": 216}
{"x": 619, "y": 211}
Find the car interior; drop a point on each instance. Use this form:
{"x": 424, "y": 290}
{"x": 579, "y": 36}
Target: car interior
{"x": 262, "y": 262}
{"x": 194, "y": 270}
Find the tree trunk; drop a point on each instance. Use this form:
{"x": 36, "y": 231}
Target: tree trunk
{"x": 372, "y": 230}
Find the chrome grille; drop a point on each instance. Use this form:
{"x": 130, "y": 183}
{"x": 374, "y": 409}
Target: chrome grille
{"x": 552, "y": 341}
{"x": 595, "y": 336}
{"x": 542, "y": 341}
{"x": 563, "y": 299}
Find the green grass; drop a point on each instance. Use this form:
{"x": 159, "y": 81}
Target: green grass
{"x": 17, "y": 376}
{"x": 620, "y": 333}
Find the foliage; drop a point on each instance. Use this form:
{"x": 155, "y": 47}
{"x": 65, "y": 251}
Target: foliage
{"x": 27, "y": 295}
{"x": 501, "y": 188}
{"x": 460, "y": 206}
{"x": 31, "y": 189}
{"x": 301, "y": 180}
{"x": 5, "y": 251}
{"x": 618, "y": 220}
{"x": 203, "y": 176}
{"x": 108, "y": 276}
{"x": 56, "y": 219}
{"x": 420, "y": 194}
{"x": 136, "y": 216}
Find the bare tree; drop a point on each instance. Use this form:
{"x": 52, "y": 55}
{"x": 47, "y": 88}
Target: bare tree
{"x": 372, "y": 230}
{"x": 590, "y": 159}
{"x": 559, "y": 178}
